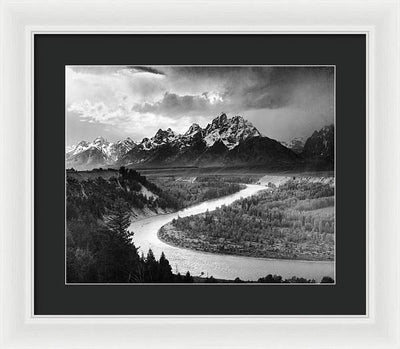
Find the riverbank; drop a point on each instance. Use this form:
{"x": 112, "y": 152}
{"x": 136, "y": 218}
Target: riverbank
{"x": 268, "y": 279}
{"x": 294, "y": 221}
{"x": 221, "y": 267}
{"x": 168, "y": 234}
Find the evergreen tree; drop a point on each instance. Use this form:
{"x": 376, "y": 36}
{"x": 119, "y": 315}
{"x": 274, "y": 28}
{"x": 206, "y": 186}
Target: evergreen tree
{"x": 119, "y": 256}
{"x": 327, "y": 280}
{"x": 152, "y": 268}
{"x": 118, "y": 220}
{"x": 188, "y": 278}
{"x": 165, "y": 270}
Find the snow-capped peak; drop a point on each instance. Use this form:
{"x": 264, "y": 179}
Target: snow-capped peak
{"x": 81, "y": 146}
{"x": 127, "y": 141}
{"x": 164, "y": 136}
{"x": 217, "y": 123}
{"x": 161, "y": 137}
{"x": 238, "y": 119}
{"x": 194, "y": 128}
{"x": 110, "y": 150}
{"x": 69, "y": 148}
{"x": 100, "y": 141}
{"x": 229, "y": 131}
{"x": 222, "y": 119}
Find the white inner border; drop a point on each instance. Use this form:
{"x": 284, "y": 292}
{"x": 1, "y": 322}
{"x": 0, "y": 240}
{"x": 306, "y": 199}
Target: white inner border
{"x": 196, "y": 283}
{"x": 380, "y": 19}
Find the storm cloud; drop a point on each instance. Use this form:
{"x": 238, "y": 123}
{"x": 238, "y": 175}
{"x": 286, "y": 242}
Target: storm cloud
{"x": 146, "y": 69}
{"x": 241, "y": 89}
{"x": 283, "y": 102}
{"x": 172, "y": 104}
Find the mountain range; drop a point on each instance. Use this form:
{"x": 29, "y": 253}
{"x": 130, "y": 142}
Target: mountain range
{"x": 225, "y": 142}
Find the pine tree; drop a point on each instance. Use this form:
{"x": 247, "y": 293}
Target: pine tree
{"x": 165, "y": 270}
{"x": 152, "y": 270}
{"x": 120, "y": 259}
{"x": 188, "y": 278}
{"x": 119, "y": 219}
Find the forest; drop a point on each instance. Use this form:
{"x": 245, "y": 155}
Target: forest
{"x": 229, "y": 178}
{"x": 99, "y": 195}
{"x": 190, "y": 192}
{"x": 293, "y": 221}
{"x": 99, "y": 245}
{"x": 270, "y": 279}
{"x": 102, "y": 251}
{"x": 99, "y": 212}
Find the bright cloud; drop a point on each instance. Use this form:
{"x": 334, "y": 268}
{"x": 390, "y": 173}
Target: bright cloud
{"x": 136, "y": 101}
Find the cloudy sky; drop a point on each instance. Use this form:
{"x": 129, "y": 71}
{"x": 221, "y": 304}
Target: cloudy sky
{"x": 120, "y": 101}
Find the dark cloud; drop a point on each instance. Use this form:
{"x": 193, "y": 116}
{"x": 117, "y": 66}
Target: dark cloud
{"x": 146, "y": 69}
{"x": 110, "y": 69}
{"x": 242, "y": 88}
{"x": 273, "y": 87}
{"x": 282, "y": 101}
{"x": 173, "y": 104}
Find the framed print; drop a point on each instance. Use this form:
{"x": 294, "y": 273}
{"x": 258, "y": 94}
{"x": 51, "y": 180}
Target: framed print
{"x": 214, "y": 183}
{"x": 184, "y": 203}
{"x": 173, "y": 181}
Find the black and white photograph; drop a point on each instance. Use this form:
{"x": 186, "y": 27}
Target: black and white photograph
{"x": 200, "y": 174}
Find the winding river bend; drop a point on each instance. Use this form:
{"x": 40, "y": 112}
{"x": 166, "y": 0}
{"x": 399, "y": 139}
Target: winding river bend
{"x": 216, "y": 265}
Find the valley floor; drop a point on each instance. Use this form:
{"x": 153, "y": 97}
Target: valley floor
{"x": 284, "y": 227}
{"x": 294, "y": 219}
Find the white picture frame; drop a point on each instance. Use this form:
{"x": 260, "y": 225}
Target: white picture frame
{"x": 379, "y": 20}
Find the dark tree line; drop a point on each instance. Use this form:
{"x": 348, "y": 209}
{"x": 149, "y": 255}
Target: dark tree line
{"x": 189, "y": 193}
{"x": 273, "y": 279}
{"x": 228, "y": 179}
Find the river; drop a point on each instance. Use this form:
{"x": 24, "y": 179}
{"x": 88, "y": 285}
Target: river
{"x": 216, "y": 265}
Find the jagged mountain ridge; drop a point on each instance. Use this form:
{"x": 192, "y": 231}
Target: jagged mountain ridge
{"x": 223, "y": 142}
{"x": 166, "y": 145}
{"x": 89, "y": 155}
{"x": 321, "y": 145}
